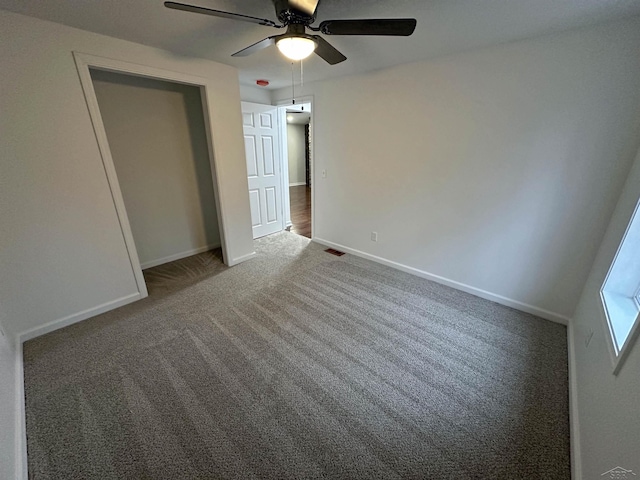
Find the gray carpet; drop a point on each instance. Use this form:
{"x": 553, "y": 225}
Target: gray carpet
{"x": 299, "y": 364}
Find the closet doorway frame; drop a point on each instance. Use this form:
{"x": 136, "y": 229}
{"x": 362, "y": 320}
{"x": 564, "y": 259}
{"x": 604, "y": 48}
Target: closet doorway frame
{"x": 85, "y": 62}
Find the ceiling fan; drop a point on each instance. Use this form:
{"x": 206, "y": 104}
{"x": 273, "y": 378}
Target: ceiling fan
{"x": 297, "y": 16}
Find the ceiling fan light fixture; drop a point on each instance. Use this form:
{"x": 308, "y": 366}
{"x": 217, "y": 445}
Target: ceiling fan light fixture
{"x": 298, "y": 16}
{"x": 296, "y": 48}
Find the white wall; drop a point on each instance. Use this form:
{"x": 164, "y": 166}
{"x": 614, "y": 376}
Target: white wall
{"x": 296, "y": 151}
{"x": 608, "y": 415}
{"x": 8, "y": 413}
{"x": 497, "y": 168}
{"x": 158, "y": 142}
{"x": 62, "y": 253}
{"x": 255, "y": 95}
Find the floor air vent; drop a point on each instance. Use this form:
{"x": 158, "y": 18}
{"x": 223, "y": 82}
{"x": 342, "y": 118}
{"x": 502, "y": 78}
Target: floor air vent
{"x": 335, "y": 252}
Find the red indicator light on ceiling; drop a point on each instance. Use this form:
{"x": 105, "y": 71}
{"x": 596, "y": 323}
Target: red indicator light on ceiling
{"x": 262, "y": 83}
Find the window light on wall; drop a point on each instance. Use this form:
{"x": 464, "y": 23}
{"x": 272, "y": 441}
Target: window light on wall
{"x": 620, "y": 293}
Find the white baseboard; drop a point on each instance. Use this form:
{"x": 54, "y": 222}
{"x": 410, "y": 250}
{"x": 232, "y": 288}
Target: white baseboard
{"x": 21, "y": 465}
{"x": 297, "y": 184}
{"x": 524, "y": 307}
{"x": 178, "y": 256}
{"x": 78, "y": 317}
{"x": 244, "y": 258}
{"x": 574, "y": 422}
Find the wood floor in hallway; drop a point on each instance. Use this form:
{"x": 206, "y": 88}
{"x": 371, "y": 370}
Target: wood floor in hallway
{"x": 300, "y": 201}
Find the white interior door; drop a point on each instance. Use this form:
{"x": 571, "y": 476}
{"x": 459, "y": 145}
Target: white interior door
{"x": 262, "y": 148}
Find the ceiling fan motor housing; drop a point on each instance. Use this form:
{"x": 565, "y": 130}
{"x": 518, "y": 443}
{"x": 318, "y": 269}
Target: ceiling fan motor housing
{"x": 291, "y": 16}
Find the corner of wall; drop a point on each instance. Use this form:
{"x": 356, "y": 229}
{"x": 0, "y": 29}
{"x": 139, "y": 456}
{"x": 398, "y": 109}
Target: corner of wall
{"x": 21, "y": 466}
{"x": 12, "y": 424}
{"x": 574, "y": 421}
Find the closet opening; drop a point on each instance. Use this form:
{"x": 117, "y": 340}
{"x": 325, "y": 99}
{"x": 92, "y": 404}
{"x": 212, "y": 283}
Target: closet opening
{"x": 158, "y": 141}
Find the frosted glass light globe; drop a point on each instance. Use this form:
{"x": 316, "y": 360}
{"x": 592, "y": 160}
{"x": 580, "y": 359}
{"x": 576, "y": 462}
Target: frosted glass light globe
{"x": 296, "y": 48}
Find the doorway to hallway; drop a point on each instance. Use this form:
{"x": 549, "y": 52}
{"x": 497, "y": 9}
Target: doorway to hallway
{"x": 298, "y": 143}
{"x": 278, "y": 147}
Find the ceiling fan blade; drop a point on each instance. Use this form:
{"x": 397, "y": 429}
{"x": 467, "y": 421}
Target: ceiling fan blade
{"x": 219, "y": 13}
{"x": 267, "y": 42}
{"x": 402, "y": 27}
{"x": 327, "y": 52}
{"x": 306, "y": 6}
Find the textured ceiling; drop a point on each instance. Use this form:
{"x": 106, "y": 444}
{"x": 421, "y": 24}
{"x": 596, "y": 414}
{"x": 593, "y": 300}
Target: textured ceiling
{"x": 444, "y": 26}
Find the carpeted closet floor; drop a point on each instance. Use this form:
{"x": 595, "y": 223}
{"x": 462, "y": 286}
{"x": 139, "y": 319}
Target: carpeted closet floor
{"x": 299, "y": 364}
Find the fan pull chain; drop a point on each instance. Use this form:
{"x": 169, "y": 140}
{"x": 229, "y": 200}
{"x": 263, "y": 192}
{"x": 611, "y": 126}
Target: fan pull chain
{"x": 293, "y": 87}
{"x": 301, "y": 76}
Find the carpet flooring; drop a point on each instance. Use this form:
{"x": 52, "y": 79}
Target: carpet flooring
{"x": 298, "y": 364}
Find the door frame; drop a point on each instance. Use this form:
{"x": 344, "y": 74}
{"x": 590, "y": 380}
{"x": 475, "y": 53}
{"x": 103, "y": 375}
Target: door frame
{"x": 85, "y": 62}
{"x": 284, "y": 157}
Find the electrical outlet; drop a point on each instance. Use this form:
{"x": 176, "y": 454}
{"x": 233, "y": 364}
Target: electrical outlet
{"x": 374, "y": 236}
{"x": 587, "y": 338}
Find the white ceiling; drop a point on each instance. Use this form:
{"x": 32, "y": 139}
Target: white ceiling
{"x": 444, "y": 26}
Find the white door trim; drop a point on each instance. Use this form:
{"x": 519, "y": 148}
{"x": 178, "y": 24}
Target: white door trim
{"x": 284, "y": 166}
{"x": 86, "y": 61}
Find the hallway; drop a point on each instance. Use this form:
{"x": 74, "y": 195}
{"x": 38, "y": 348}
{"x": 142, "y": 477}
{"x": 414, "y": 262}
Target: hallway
{"x": 300, "y": 200}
